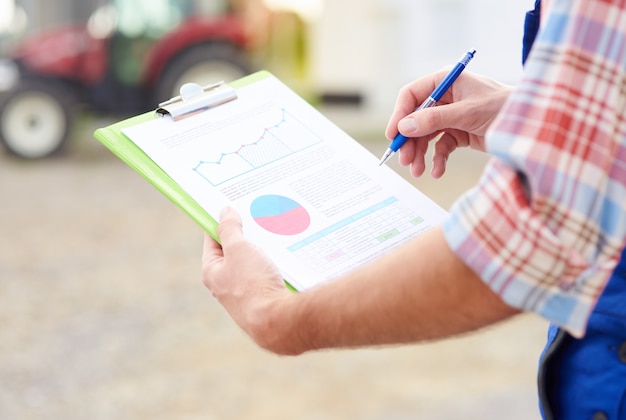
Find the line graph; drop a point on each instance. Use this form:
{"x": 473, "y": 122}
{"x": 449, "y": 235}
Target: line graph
{"x": 262, "y": 146}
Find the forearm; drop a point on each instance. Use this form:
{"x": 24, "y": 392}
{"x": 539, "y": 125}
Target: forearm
{"x": 419, "y": 292}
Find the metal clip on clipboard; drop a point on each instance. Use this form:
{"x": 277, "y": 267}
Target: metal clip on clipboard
{"x": 194, "y": 99}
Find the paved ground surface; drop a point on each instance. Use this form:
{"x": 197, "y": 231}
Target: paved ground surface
{"x": 103, "y": 316}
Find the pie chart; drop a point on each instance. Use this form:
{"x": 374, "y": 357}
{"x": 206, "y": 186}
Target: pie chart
{"x": 280, "y": 215}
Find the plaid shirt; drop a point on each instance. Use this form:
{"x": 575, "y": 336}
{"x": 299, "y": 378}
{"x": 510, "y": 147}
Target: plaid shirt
{"x": 546, "y": 224}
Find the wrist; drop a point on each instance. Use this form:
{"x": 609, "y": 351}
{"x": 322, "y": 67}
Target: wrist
{"x": 273, "y": 325}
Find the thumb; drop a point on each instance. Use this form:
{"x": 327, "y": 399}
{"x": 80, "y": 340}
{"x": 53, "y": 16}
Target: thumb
{"x": 230, "y": 227}
{"x": 428, "y": 121}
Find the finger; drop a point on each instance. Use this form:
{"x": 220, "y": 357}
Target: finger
{"x": 211, "y": 250}
{"x": 418, "y": 166}
{"x": 444, "y": 146}
{"x": 410, "y": 97}
{"x": 409, "y": 151}
{"x": 433, "y": 120}
{"x": 230, "y": 228}
{"x": 212, "y": 256}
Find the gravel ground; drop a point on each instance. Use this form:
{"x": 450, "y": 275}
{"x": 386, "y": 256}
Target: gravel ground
{"x": 103, "y": 316}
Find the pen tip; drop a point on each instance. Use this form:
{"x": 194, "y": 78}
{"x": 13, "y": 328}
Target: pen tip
{"x": 385, "y": 157}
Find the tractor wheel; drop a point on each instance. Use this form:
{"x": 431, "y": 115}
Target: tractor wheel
{"x": 34, "y": 119}
{"x": 202, "y": 64}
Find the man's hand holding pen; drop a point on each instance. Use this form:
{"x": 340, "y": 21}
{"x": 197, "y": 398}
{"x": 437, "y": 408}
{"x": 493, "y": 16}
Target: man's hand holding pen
{"x": 460, "y": 119}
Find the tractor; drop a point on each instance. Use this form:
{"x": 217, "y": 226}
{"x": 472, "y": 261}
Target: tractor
{"x": 127, "y": 58}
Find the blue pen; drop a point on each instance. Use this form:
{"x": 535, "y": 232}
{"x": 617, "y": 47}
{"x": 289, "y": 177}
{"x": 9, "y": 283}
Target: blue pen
{"x": 445, "y": 84}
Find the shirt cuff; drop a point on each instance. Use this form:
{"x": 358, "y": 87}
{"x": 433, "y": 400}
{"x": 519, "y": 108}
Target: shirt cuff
{"x": 494, "y": 231}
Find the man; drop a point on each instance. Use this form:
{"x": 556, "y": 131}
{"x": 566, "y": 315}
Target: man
{"x": 543, "y": 231}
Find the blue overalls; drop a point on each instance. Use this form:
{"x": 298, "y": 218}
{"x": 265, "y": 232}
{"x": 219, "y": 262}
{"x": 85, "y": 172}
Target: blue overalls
{"x": 585, "y": 378}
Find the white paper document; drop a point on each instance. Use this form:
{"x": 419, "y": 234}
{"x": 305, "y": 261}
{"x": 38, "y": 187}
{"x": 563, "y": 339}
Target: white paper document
{"x": 311, "y": 196}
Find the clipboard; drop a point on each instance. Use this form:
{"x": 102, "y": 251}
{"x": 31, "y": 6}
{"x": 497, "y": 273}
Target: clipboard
{"x": 315, "y": 199}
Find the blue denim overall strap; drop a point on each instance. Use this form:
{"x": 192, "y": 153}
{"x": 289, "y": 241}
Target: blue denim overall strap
{"x": 531, "y": 27}
{"x": 586, "y": 378}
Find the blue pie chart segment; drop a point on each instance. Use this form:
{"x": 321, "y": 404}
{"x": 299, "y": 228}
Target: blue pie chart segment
{"x": 280, "y": 215}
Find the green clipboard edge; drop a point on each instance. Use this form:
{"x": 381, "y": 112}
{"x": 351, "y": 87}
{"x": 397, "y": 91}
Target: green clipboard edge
{"x": 127, "y": 151}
